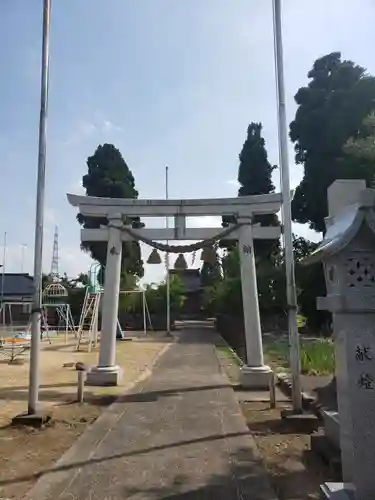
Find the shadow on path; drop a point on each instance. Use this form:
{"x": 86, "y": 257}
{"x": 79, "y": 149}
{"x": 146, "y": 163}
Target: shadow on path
{"x": 79, "y": 465}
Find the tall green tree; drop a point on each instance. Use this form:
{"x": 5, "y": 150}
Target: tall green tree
{"x": 361, "y": 148}
{"x": 271, "y": 284}
{"x": 210, "y": 273}
{"x": 331, "y": 110}
{"x": 255, "y": 177}
{"x": 255, "y": 171}
{"x": 109, "y": 176}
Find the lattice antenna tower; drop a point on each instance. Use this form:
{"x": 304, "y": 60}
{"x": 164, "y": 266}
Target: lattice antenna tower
{"x": 54, "y": 274}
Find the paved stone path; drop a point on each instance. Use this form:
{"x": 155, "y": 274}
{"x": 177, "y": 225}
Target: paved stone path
{"x": 178, "y": 435}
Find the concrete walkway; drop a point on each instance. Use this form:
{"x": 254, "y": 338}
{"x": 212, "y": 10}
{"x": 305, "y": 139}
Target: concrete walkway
{"x": 178, "y": 435}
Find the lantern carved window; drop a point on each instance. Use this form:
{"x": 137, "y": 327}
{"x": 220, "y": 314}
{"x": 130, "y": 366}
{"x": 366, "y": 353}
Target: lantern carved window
{"x": 360, "y": 271}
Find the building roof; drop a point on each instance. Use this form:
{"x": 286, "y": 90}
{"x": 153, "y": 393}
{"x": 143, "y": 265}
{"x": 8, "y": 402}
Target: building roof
{"x": 16, "y": 284}
{"x": 191, "y": 278}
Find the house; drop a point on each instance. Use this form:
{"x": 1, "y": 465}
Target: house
{"x": 16, "y": 290}
{"x": 193, "y": 291}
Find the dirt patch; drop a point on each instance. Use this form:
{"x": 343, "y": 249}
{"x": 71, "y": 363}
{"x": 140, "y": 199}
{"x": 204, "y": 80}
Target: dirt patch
{"x": 25, "y": 452}
{"x": 294, "y": 471}
{"x": 58, "y": 376}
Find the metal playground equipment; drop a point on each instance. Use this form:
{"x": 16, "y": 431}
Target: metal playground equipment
{"x": 88, "y": 324}
{"x": 55, "y": 298}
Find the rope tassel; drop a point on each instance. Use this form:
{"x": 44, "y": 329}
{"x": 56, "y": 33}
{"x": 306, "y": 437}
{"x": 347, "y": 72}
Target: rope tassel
{"x": 209, "y": 255}
{"x": 180, "y": 262}
{"x": 154, "y": 257}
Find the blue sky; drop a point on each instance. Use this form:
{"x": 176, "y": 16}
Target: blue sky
{"x": 167, "y": 81}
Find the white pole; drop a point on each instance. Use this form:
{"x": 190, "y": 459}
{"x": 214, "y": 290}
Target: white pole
{"x": 23, "y": 249}
{"x": 3, "y": 268}
{"x": 286, "y": 211}
{"x": 3, "y": 309}
{"x": 67, "y": 308}
{"x": 167, "y": 260}
{"x": 39, "y": 218}
{"x": 144, "y": 312}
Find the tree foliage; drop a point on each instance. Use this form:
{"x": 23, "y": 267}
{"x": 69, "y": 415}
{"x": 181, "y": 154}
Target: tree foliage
{"x": 210, "y": 273}
{"x": 225, "y": 296}
{"x": 255, "y": 171}
{"x": 156, "y": 297}
{"x": 255, "y": 177}
{"x": 109, "y": 176}
{"x": 360, "y": 149}
{"x": 331, "y": 110}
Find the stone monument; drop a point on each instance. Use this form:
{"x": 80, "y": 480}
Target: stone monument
{"x": 348, "y": 255}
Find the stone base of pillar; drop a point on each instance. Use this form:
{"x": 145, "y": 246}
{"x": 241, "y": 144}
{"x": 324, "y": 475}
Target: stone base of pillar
{"x": 104, "y": 376}
{"x": 337, "y": 491}
{"x": 255, "y": 377}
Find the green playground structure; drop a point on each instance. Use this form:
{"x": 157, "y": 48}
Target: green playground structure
{"x": 95, "y": 287}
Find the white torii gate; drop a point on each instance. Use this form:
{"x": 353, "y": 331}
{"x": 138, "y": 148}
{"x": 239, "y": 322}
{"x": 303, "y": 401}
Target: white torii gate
{"x": 255, "y": 374}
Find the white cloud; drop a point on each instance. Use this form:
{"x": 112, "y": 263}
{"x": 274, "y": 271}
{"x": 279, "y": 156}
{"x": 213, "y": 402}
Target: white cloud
{"x": 107, "y": 127}
{"x": 73, "y": 261}
{"x": 91, "y": 128}
{"x": 233, "y": 182}
{"x": 304, "y": 231}
{"x": 76, "y": 187}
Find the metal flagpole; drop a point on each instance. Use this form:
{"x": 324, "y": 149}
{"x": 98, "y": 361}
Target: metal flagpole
{"x": 23, "y": 249}
{"x": 3, "y": 278}
{"x": 286, "y": 212}
{"x": 3, "y": 266}
{"x": 167, "y": 259}
{"x": 39, "y": 218}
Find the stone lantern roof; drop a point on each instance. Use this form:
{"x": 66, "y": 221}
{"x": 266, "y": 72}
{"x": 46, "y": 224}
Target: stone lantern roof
{"x": 343, "y": 227}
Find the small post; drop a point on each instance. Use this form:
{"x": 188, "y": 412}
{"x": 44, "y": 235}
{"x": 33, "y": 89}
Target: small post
{"x": 67, "y": 309}
{"x": 144, "y": 312}
{"x": 272, "y": 390}
{"x": 81, "y": 385}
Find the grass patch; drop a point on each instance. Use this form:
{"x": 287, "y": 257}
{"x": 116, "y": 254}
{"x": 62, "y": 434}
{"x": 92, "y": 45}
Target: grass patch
{"x": 301, "y": 321}
{"x": 228, "y": 352}
{"x": 317, "y": 356}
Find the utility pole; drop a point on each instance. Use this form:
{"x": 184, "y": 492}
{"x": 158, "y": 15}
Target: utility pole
{"x": 23, "y": 249}
{"x": 3, "y": 266}
{"x": 39, "y": 218}
{"x": 3, "y": 277}
{"x": 287, "y": 212}
{"x": 167, "y": 257}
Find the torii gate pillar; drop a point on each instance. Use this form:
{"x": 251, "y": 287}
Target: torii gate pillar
{"x": 107, "y": 373}
{"x": 255, "y": 374}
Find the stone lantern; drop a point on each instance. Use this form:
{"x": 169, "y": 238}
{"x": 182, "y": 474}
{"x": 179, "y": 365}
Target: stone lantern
{"x": 348, "y": 255}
